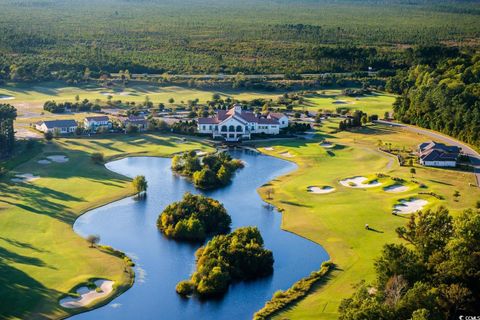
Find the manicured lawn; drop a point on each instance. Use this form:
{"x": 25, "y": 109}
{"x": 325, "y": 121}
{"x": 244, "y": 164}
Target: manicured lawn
{"x": 41, "y": 258}
{"x": 376, "y": 103}
{"x": 337, "y": 220}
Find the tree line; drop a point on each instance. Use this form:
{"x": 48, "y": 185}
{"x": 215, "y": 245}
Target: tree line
{"x": 8, "y": 114}
{"x": 444, "y": 97}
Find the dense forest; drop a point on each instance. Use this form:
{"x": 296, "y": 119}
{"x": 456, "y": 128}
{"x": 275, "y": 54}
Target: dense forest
{"x": 444, "y": 98}
{"x": 435, "y": 277}
{"x": 61, "y": 39}
{"x": 239, "y": 255}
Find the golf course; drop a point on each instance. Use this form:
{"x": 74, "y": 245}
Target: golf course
{"x": 41, "y": 252}
{"x": 42, "y": 259}
{"x": 337, "y": 219}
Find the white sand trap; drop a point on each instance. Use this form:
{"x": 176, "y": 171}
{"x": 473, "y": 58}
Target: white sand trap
{"x": 268, "y": 148}
{"x": 115, "y": 93}
{"x": 44, "y": 161}
{"x": 358, "y": 182}
{"x": 87, "y": 295}
{"x": 395, "y": 188}
{"x": 287, "y": 154}
{"x": 58, "y": 158}
{"x": 25, "y": 177}
{"x": 326, "y": 145}
{"x": 324, "y": 189}
{"x": 409, "y": 206}
{"x": 200, "y": 153}
{"x": 5, "y": 97}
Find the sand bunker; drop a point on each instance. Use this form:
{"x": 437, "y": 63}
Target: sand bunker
{"x": 324, "y": 189}
{"x": 287, "y": 154}
{"x": 326, "y": 145}
{"x": 104, "y": 288}
{"x": 115, "y": 93}
{"x": 5, "y": 97}
{"x": 25, "y": 177}
{"x": 44, "y": 161}
{"x": 358, "y": 182}
{"x": 395, "y": 188}
{"x": 409, "y": 206}
{"x": 268, "y": 148}
{"x": 58, "y": 158}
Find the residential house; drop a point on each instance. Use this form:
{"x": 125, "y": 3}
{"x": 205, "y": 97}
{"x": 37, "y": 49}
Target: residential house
{"x": 237, "y": 124}
{"x": 57, "y": 126}
{"x": 435, "y": 154}
{"x": 96, "y": 122}
{"x": 138, "y": 121}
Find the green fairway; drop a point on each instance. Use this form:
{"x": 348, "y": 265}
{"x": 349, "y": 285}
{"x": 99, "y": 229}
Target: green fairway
{"x": 337, "y": 220}
{"x": 41, "y": 258}
{"x": 30, "y": 98}
{"x": 375, "y": 103}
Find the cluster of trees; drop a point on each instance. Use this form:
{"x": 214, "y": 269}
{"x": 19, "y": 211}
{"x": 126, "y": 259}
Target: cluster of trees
{"x": 78, "y": 106}
{"x": 435, "y": 276}
{"x": 194, "y": 218}
{"x": 239, "y": 255}
{"x": 8, "y": 114}
{"x": 210, "y": 171}
{"x": 296, "y": 127}
{"x": 445, "y": 97}
{"x": 358, "y": 119}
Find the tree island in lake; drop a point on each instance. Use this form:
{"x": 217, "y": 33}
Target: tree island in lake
{"x": 239, "y": 255}
{"x": 194, "y": 218}
{"x": 210, "y": 171}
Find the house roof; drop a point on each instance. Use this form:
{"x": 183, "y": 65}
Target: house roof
{"x": 97, "y": 118}
{"x": 439, "y": 146}
{"x": 433, "y": 151}
{"x": 51, "y": 124}
{"x": 438, "y": 155}
{"x": 242, "y": 116}
{"x": 276, "y": 115}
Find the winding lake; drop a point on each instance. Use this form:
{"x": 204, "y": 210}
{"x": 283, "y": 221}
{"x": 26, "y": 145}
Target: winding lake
{"x": 130, "y": 226}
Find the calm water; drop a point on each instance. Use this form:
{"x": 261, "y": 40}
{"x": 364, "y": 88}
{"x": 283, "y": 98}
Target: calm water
{"x": 130, "y": 226}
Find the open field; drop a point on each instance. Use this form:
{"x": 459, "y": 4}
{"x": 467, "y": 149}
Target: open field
{"x": 336, "y": 220}
{"x": 376, "y": 103}
{"x": 41, "y": 257}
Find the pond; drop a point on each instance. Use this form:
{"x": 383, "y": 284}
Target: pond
{"x": 130, "y": 226}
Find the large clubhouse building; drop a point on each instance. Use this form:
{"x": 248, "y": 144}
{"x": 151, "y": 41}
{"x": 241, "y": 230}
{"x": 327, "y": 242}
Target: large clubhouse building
{"x": 237, "y": 124}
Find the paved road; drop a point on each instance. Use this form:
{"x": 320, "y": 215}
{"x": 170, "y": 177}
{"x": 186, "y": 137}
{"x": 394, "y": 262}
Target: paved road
{"x": 473, "y": 155}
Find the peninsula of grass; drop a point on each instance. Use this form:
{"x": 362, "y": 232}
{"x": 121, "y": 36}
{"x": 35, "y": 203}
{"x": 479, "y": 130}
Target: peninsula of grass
{"x": 337, "y": 220}
{"x": 210, "y": 171}
{"x": 194, "y": 218}
{"x": 237, "y": 256}
{"x": 41, "y": 257}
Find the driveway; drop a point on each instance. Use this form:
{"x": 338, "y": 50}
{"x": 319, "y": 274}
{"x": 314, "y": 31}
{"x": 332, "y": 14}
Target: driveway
{"x": 472, "y": 154}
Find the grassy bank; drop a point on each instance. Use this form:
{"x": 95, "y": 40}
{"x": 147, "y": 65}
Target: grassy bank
{"x": 337, "y": 220}
{"x": 41, "y": 257}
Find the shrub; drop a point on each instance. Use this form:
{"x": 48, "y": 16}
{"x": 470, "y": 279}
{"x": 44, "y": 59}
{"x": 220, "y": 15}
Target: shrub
{"x": 48, "y": 135}
{"x": 97, "y": 157}
{"x": 283, "y": 299}
{"x": 185, "y": 287}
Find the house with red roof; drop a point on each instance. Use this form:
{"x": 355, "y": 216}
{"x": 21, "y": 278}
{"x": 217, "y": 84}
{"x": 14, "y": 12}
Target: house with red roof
{"x": 236, "y": 124}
